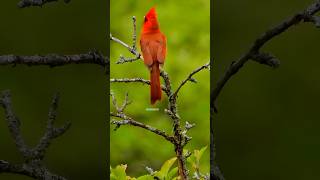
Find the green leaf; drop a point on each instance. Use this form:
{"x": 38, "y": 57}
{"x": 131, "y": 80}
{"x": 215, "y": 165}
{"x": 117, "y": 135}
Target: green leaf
{"x": 194, "y": 159}
{"x": 163, "y": 173}
{"x": 198, "y": 154}
{"x": 145, "y": 177}
{"x": 118, "y": 173}
{"x": 172, "y": 173}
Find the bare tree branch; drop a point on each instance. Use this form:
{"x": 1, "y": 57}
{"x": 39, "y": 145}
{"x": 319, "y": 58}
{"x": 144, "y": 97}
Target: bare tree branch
{"x": 180, "y": 136}
{"x": 135, "y": 80}
{"x": 28, "y": 170}
{"x": 129, "y": 121}
{"x": 27, "y": 3}
{"x": 126, "y": 120}
{"x": 53, "y": 60}
{"x": 132, "y": 49}
{"x": 134, "y": 34}
{"x": 313, "y": 19}
{"x": 253, "y": 53}
{"x": 51, "y": 131}
{"x": 14, "y": 124}
{"x": 130, "y": 80}
{"x": 189, "y": 78}
{"x": 33, "y": 165}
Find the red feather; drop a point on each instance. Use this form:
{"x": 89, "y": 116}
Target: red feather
{"x": 153, "y": 47}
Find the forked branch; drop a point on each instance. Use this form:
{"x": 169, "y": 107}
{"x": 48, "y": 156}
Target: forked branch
{"x": 132, "y": 49}
{"x": 189, "y": 78}
{"x": 33, "y": 165}
{"x": 126, "y": 120}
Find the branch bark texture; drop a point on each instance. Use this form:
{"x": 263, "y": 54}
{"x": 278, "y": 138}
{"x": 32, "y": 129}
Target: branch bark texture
{"x": 28, "y": 3}
{"x": 53, "y": 60}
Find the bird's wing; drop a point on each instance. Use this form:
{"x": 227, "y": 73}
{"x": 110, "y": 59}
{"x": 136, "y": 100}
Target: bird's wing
{"x": 146, "y": 52}
{"x": 162, "y": 50}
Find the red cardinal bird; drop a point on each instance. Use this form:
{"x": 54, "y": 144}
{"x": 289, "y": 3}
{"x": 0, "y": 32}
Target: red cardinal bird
{"x": 153, "y": 47}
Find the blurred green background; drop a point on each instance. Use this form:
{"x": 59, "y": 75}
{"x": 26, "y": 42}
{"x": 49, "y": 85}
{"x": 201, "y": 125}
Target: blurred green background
{"x": 268, "y": 121}
{"x": 187, "y": 27}
{"x": 61, "y": 28}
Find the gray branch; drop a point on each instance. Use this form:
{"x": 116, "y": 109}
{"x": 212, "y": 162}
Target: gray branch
{"x": 181, "y": 138}
{"x": 28, "y": 3}
{"x": 32, "y": 170}
{"x": 53, "y": 60}
{"x": 189, "y": 78}
{"x": 134, "y": 34}
{"x": 14, "y": 124}
{"x": 135, "y": 80}
{"x": 130, "y": 80}
{"x": 129, "y": 121}
{"x": 126, "y": 120}
{"x": 132, "y": 49}
{"x": 32, "y": 165}
{"x": 254, "y": 51}
{"x": 51, "y": 132}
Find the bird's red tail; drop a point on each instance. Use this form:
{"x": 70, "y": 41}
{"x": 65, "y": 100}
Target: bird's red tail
{"x": 155, "y": 83}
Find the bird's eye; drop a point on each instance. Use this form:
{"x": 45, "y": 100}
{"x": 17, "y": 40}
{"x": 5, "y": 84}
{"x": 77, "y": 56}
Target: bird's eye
{"x": 145, "y": 19}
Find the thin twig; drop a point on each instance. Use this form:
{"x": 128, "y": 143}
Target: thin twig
{"x": 51, "y": 132}
{"x": 132, "y": 49}
{"x": 123, "y": 59}
{"x": 130, "y": 80}
{"x": 206, "y": 66}
{"x": 126, "y": 102}
{"x": 126, "y": 120}
{"x": 130, "y": 121}
{"x": 134, "y": 34}
{"x": 135, "y": 80}
{"x": 53, "y": 60}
